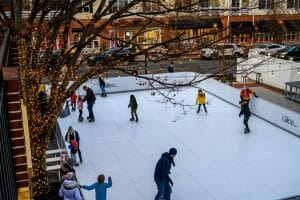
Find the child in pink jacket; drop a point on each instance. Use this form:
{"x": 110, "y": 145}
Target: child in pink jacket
{"x": 80, "y": 107}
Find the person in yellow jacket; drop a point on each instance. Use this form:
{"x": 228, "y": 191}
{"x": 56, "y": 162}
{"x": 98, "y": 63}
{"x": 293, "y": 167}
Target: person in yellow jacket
{"x": 201, "y": 99}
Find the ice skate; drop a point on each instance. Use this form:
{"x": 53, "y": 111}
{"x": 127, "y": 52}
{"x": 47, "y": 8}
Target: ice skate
{"x": 136, "y": 120}
{"x": 131, "y": 119}
{"x": 80, "y": 119}
{"x": 247, "y": 130}
{"x": 91, "y": 120}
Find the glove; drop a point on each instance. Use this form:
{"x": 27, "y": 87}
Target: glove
{"x": 109, "y": 178}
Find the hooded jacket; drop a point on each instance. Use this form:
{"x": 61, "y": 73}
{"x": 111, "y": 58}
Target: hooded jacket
{"x": 163, "y": 167}
{"x": 200, "y": 98}
{"x": 69, "y": 190}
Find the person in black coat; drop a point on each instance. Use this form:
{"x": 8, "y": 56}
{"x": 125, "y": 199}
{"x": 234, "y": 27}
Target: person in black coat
{"x": 246, "y": 112}
{"x": 133, "y": 106}
{"x": 161, "y": 174}
{"x": 102, "y": 87}
{"x": 90, "y": 99}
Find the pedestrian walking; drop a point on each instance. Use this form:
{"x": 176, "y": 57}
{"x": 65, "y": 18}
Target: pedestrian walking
{"x": 133, "y": 106}
{"x": 73, "y": 101}
{"x": 90, "y": 98}
{"x": 247, "y": 113}
{"x": 161, "y": 175}
{"x": 100, "y": 187}
{"x": 245, "y": 94}
{"x": 74, "y": 135}
{"x": 80, "y": 108}
{"x": 102, "y": 87}
{"x": 69, "y": 189}
{"x": 201, "y": 99}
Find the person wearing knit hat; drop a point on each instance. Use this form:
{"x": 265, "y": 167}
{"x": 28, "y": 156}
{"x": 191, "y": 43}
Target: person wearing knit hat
{"x": 161, "y": 174}
{"x": 69, "y": 189}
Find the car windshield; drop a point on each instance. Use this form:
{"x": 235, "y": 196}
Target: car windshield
{"x": 263, "y": 46}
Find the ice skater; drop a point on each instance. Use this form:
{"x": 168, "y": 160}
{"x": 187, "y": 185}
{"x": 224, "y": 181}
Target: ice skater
{"x": 69, "y": 188}
{"x": 90, "y": 99}
{"x": 201, "y": 99}
{"x": 133, "y": 106}
{"x": 161, "y": 175}
{"x": 246, "y": 112}
{"x": 74, "y": 135}
{"x": 73, "y": 101}
{"x": 80, "y": 108}
{"x": 100, "y": 187}
{"x": 245, "y": 94}
{"x": 102, "y": 87}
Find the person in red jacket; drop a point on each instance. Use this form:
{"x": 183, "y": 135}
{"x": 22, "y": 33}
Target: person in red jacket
{"x": 245, "y": 94}
{"x": 73, "y": 101}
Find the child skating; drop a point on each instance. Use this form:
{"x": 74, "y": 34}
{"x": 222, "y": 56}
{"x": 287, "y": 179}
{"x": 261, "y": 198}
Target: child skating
{"x": 73, "y": 101}
{"x": 80, "y": 107}
{"x": 73, "y": 150}
{"x": 201, "y": 99}
{"x": 246, "y": 112}
{"x": 133, "y": 106}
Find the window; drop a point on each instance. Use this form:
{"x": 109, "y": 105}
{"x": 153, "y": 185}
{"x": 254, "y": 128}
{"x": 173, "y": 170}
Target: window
{"x": 266, "y": 4}
{"x": 154, "y": 5}
{"x": 235, "y": 3}
{"x": 183, "y": 4}
{"x": 204, "y": 3}
{"x": 86, "y": 7}
{"x": 293, "y": 4}
{"x": 117, "y": 5}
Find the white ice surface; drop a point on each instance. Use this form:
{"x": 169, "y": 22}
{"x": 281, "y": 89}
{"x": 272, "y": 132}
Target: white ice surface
{"x": 215, "y": 160}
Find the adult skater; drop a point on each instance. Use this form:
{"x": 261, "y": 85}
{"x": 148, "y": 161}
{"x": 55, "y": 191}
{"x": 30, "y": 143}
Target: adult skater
{"x": 90, "y": 99}
{"x": 69, "y": 189}
{"x": 74, "y": 135}
{"x": 245, "y": 94}
{"x": 161, "y": 175}
{"x": 201, "y": 100}
{"x": 102, "y": 87}
{"x": 247, "y": 113}
{"x": 100, "y": 187}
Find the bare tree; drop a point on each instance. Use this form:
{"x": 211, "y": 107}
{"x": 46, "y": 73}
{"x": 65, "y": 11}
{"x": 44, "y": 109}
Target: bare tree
{"x": 54, "y": 18}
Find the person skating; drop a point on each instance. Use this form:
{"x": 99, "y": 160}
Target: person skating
{"x": 245, "y": 94}
{"x": 73, "y": 101}
{"x": 161, "y": 175}
{"x": 246, "y": 112}
{"x": 74, "y": 135}
{"x": 90, "y": 99}
{"x": 80, "y": 108}
{"x": 69, "y": 189}
{"x": 102, "y": 87}
{"x": 201, "y": 99}
{"x": 133, "y": 106}
{"x": 100, "y": 187}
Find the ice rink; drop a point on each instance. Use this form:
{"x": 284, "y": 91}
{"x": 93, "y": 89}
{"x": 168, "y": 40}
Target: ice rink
{"x": 215, "y": 160}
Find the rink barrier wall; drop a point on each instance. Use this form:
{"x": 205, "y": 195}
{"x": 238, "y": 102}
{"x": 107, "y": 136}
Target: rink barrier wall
{"x": 278, "y": 116}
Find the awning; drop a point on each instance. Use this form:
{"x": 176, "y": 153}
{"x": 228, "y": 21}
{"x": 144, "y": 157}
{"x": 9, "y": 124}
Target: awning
{"x": 292, "y": 25}
{"x": 241, "y": 27}
{"x": 195, "y": 24}
{"x": 267, "y": 26}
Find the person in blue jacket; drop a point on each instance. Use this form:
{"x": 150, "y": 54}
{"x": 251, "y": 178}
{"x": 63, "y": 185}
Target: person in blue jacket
{"x": 161, "y": 175}
{"x": 100, "y": 187}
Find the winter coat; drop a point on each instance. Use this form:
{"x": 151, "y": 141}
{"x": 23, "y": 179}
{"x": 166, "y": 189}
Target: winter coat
{"x": 69, "y": 190}
{"x": 90, "y": 96}
{"x": 133, "y": 104}
{"x": 70, "y": 137}
{"x": 245, "y": 110}
{"x": 246, "y": 93}
{"x": 100, "y": 189}
{"x": 101, "y": 82}
{"x": 73, "y": 98}
{"x": 163, "y": 167}
{"x": 200, "y": 98}
{"x": 79, "y": 105}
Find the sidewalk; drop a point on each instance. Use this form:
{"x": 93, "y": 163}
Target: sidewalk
{"x": 270, "y": 94}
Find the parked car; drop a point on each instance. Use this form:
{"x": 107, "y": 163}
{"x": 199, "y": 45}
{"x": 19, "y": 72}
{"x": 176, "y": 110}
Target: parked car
{"x": 117, "y": 53}
{"x": 290, "y": 53}
{"x": 266, "y": 49}
{"x": 227, "y": 50}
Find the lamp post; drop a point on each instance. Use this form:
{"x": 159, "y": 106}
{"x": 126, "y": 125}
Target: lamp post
{"x": 146, "y": 63}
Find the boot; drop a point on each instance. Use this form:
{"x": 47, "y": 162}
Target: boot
{"x": 131, "y": 119}
{"x": 137, "y": 119}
